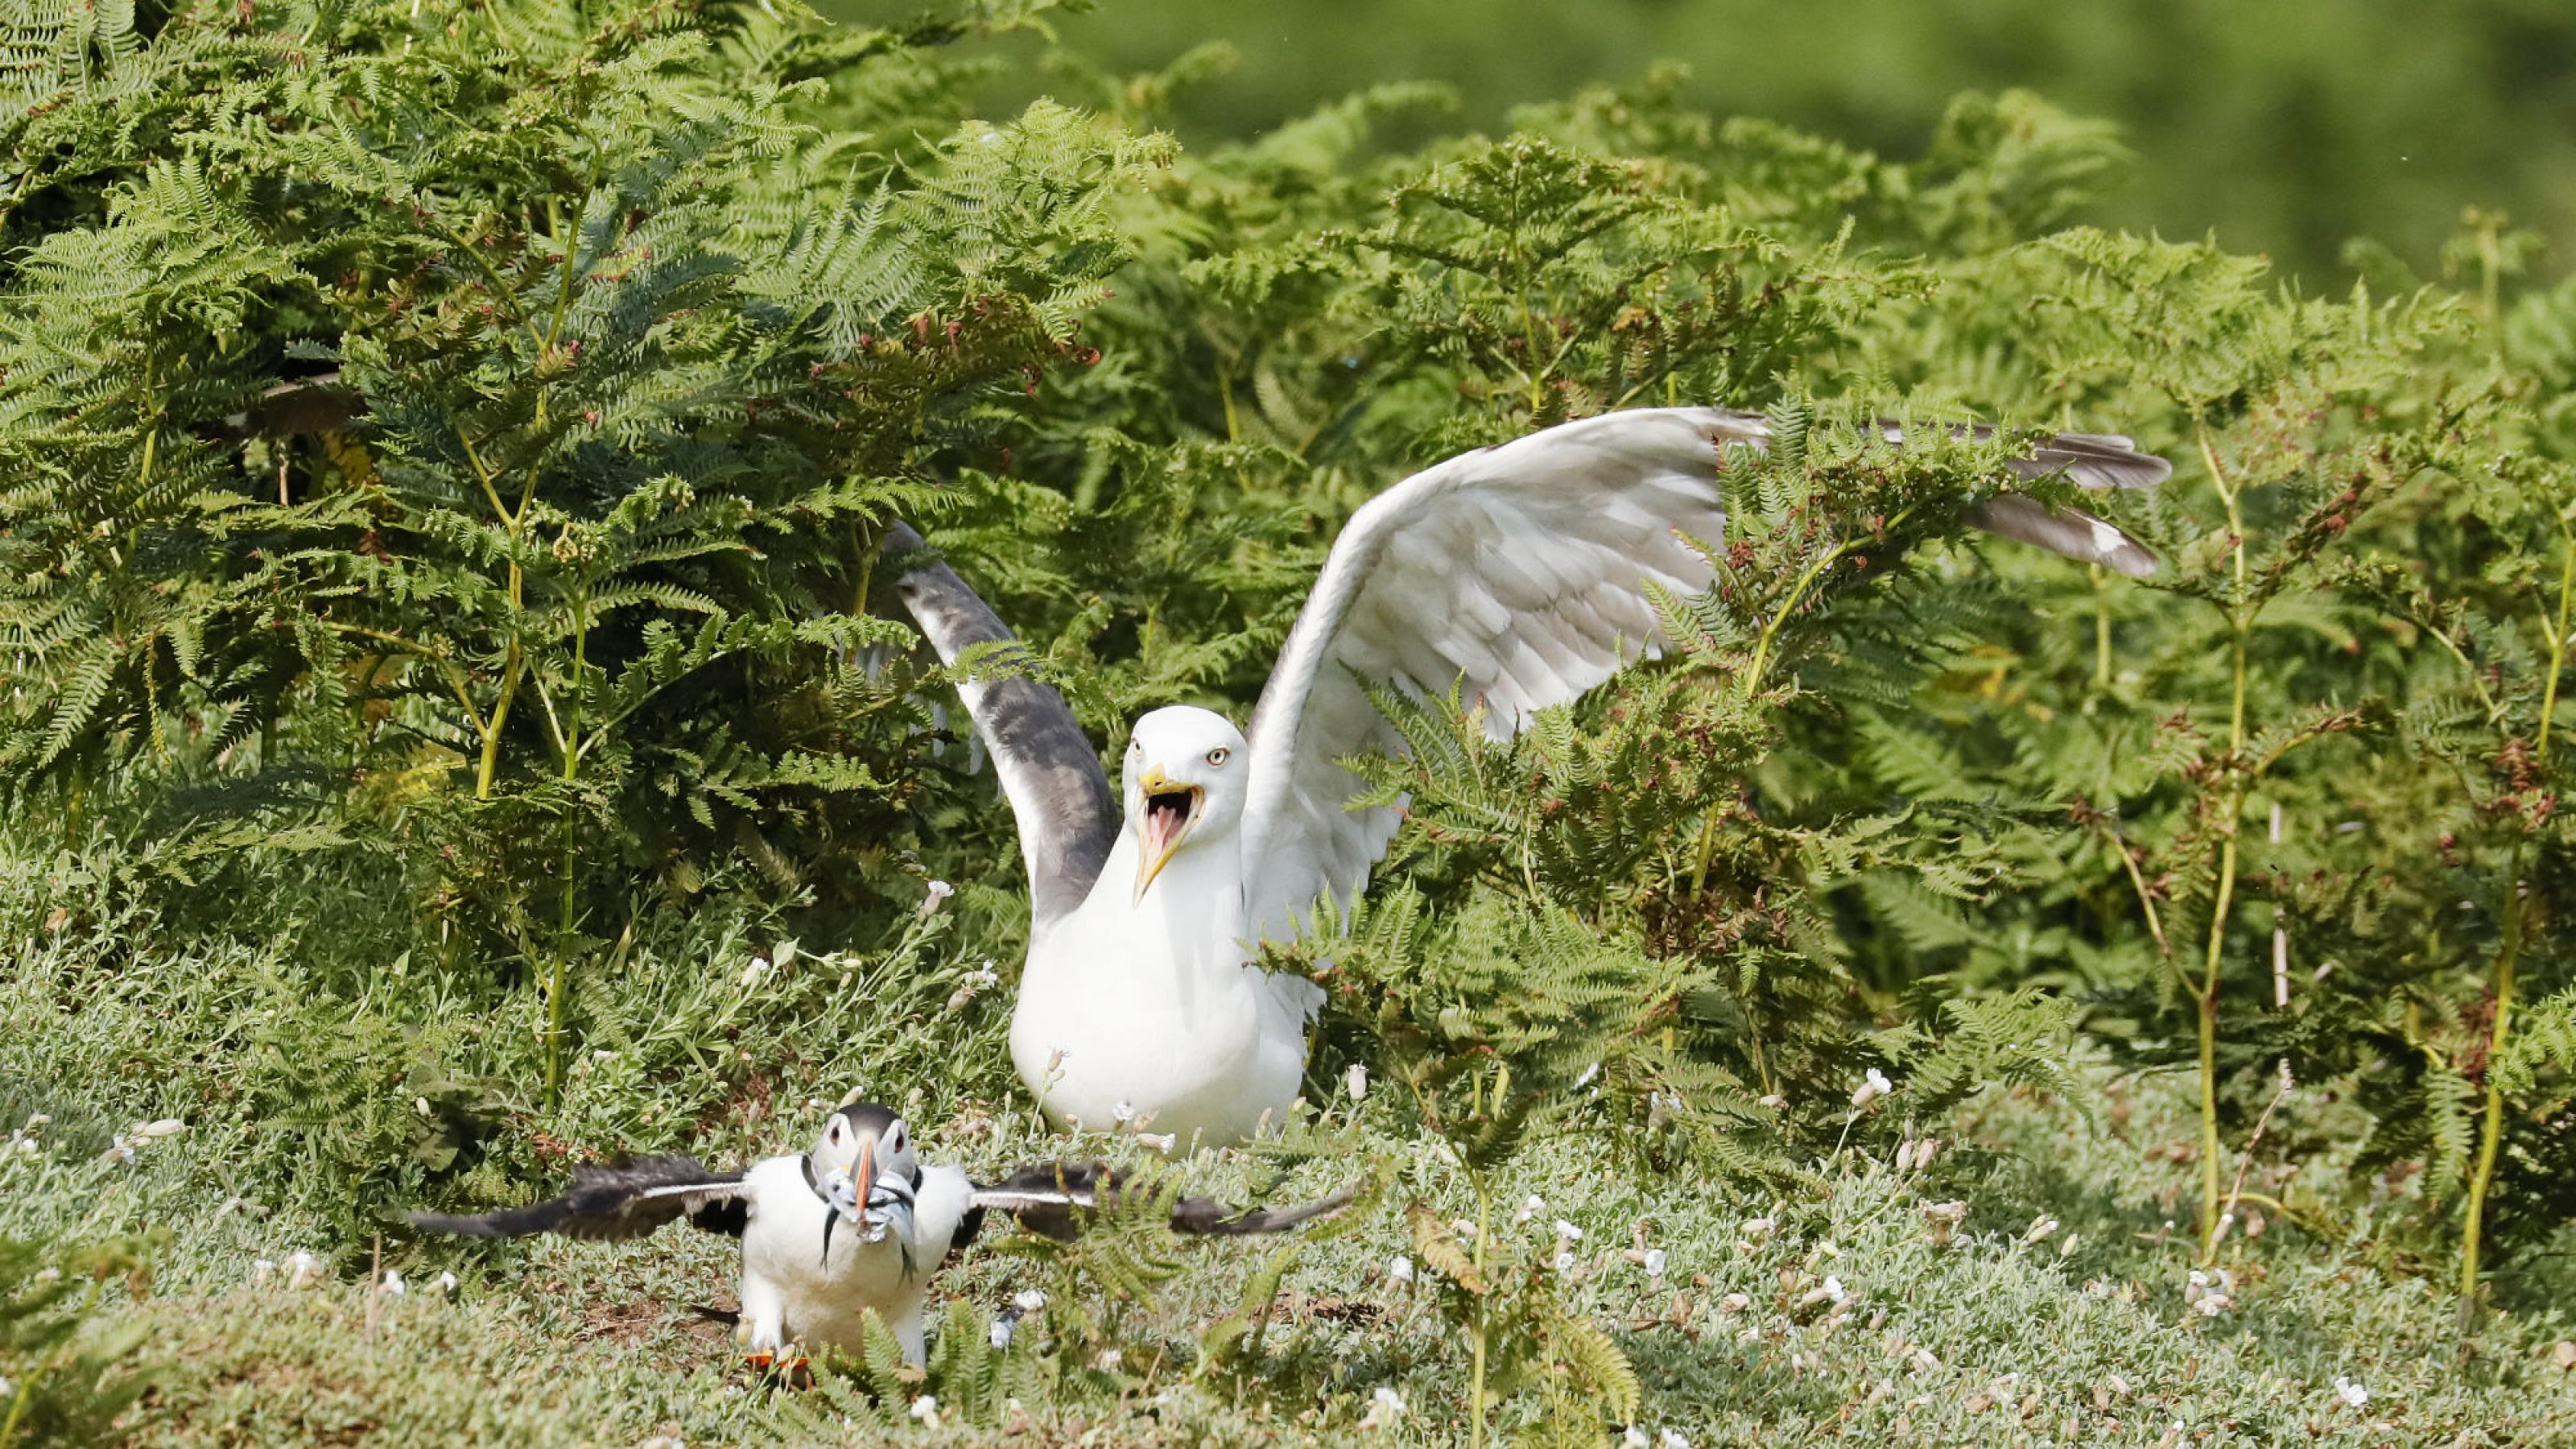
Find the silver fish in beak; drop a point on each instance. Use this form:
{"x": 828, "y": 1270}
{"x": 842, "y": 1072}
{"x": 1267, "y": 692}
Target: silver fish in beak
{"x": 854, "y": 1203}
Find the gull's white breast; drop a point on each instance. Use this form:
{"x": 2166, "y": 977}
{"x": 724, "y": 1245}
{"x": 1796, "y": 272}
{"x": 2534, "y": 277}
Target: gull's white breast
{"x": 1152, "y": 1007}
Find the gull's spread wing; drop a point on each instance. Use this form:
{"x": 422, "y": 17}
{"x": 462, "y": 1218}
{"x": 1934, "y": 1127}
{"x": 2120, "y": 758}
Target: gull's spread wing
{"x": 1520, "y": 573}
{"x": 1052, "y": 776}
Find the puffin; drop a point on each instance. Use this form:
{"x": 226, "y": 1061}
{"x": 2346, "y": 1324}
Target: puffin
{"x": 858, "y": 1222}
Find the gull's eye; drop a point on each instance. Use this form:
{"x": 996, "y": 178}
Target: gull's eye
{"x": 1219, "y": 755}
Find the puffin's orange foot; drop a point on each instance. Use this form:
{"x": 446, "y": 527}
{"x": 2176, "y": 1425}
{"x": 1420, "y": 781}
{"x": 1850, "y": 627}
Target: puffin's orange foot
{"x": 797, "y": 1372}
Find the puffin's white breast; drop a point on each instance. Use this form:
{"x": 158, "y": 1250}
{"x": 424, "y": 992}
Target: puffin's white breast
{"x": 783, "y": 1244}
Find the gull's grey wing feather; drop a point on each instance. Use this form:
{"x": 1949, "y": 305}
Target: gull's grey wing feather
{"x": 1059, "y": 795}
{"x": 1049, "y": 1200}
{"x": 625, "y": 1199}
{"x": 1521, "y": 573}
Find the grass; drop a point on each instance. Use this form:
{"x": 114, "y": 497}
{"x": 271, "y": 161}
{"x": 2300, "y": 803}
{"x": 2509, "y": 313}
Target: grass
{"x": 307, "y": 1083}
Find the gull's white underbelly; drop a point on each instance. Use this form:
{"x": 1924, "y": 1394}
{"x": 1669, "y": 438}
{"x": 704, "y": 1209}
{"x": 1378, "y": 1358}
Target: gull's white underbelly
{"x": 1156, "y": 1012}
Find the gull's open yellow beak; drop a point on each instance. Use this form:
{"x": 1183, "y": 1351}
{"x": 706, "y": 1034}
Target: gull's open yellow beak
{"x": 1158, "y": 834}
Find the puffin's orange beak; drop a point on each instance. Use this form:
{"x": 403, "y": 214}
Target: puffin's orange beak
{"x": 866, "y": 1176}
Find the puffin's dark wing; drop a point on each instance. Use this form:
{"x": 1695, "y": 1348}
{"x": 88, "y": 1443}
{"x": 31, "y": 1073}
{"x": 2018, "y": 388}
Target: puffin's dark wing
{"x": 1066, "y": 812}
{"x": 1050, "y": 1201}
{"x": 625, "y": 1199}
{"x": 1210, "y": 1218}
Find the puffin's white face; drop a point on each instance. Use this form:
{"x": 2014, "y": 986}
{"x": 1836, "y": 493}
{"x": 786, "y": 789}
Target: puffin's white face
{"x": 864, "y": 1164}
{"x": 867, "y": 1141}
{"x": 1184, "y": 779}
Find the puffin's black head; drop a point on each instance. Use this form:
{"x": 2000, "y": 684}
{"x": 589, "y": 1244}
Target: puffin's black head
{"x": 870, "y": 1142}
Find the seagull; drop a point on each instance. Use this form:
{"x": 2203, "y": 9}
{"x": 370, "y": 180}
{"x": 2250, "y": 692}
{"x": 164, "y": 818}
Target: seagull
{"x": 800, "y": 1284}
{"x": 1519, "y": 574}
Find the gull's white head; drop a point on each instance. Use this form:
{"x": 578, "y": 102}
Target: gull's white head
{"x": 1184, "y": 778}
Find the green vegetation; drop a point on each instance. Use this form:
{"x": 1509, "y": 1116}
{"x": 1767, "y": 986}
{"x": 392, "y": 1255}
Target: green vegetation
{"x": 2286, "y": 128}
{"x": 456, "y": 728}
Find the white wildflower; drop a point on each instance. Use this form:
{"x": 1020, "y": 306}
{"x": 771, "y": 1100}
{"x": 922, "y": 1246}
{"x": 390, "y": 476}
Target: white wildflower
{"x": 27, "y": 1146}
{"x": 983, "y": 978}
{"x": 2040, "y": 1227}
{"x": 1564, "y": 1262}
{"x": 1108, "y": 1361}
{"x": 2352, "y": 1394}
{"x": 1385, "y": 1407}
{"x": 1162, "y": 1142}
{"x": 261, "y": 1268}
{"x": 1530, "y": 1208}
{"x": 2211, "y": 1293}
{"x": 926, "y": 1409}
{"x": 303, "y": 1270}
{"x": 752, "y": 973}
{"x": 1000, "y": 1336}
{"x": 1356, "y": 1080}
{"x": 1399, "y": 1269}
{"x": 1758, "y": 1228}
{"x": 1671, "y": 1439}
{"x": 1567, "y": 1232}
{"x": 933, "y": 895}
{"x": 446, "y": 1283}
{"x": 1834, "y": 1291}
{"x": 1028, "y": 1300}
{"x": 393, "y": 1285}
{"x": 1124, "y": 1112}
{"x": 1654, "y": 1262}
{"x": 119, "y": 1151}
{"x": 1634, "y": 1438}
{"x": 1871, "y": 1088}
{"x": 1775, "y": 1101}
{"x": 143, "y": 1132}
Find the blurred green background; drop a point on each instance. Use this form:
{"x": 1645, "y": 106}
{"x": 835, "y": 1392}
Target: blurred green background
{"x": 2284, "y": 126}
